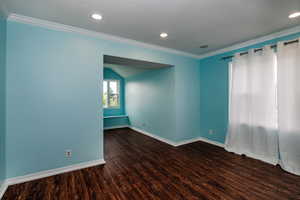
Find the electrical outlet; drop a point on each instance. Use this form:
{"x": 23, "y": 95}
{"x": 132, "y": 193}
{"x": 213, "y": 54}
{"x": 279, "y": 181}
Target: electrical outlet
{"x": 68, "y": 153}
{"x": 211, "y": 131}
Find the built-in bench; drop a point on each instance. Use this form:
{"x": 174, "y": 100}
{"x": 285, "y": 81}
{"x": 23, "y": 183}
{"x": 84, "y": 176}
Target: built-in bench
{"x": 118, "y": 121}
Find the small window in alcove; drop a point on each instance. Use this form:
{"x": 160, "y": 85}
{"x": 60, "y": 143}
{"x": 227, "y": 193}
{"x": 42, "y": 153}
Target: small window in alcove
{"x": 111, "y": 94}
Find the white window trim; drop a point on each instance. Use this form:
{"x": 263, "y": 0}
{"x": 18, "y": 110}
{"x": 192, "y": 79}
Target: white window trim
{"x": 118, "y": 89}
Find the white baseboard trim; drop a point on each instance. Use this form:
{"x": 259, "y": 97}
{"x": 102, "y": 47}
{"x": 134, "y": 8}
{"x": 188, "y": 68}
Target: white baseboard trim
{"x": 116, "y": 127}
{"x": 202, "y": 139}
{"x": 188, "y": 141}
{"x": 52, "y": 172}
{"x": 153, "y": 136}
{"x": 3, "y": 188}
{"x": 176, "y": 144}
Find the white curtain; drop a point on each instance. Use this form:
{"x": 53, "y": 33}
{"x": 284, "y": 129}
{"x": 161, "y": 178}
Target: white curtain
{"x": 253, "y": 108}
{"x": 289, "y": 106}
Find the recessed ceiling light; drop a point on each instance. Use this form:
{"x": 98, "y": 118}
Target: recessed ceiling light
{"x": 204, "y": 46}
{"x": 294, "y": 15}
{"x": 96, "y": 16}
{"x": 164, "y": 35}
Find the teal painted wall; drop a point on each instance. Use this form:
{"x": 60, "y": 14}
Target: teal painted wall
{"x": 187, "y": 101}
{"x": 110, "y": 74}
{"x": 2, "y": 96}
{"x": 214, "y": 91}
{"x": 53, "y": 99}
{"x": 54, "y": 87}
{"x": 150, "y": 102}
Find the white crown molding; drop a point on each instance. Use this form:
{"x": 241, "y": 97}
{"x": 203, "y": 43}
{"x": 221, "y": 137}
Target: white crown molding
{"x": 62, "y": 27}
{"x": 253, "y": 42}
{"x": 67, "y": 28}
{"x": 3, "y": 188}
{"x": 52, "y": 172}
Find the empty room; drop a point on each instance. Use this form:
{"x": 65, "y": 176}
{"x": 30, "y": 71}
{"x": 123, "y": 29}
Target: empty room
{"x": 149, "y": 99}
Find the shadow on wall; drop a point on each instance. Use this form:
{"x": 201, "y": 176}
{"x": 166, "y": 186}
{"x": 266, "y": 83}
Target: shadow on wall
{"x": 150, "y": 102}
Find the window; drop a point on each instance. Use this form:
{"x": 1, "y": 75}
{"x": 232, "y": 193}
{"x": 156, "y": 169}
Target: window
{"x": 111, "y": 94}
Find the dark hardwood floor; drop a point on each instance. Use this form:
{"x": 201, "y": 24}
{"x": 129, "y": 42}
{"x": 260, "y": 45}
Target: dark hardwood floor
{"x": 139, "y": 167}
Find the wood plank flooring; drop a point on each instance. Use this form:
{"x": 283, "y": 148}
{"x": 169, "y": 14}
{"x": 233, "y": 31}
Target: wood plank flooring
{"x": 139, "y": 167}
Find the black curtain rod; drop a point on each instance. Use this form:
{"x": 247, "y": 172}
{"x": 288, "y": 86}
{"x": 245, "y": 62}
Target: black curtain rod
{"x": 260, "y": 49}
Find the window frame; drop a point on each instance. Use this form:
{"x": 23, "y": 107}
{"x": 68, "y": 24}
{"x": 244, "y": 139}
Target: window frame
{"x": 108, "y": 93}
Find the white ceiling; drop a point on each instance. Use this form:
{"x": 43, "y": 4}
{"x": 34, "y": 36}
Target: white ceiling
{"x": 126, "y": 71}
{"x": 189, "y": 23}
{"x": 129, "y": 67}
